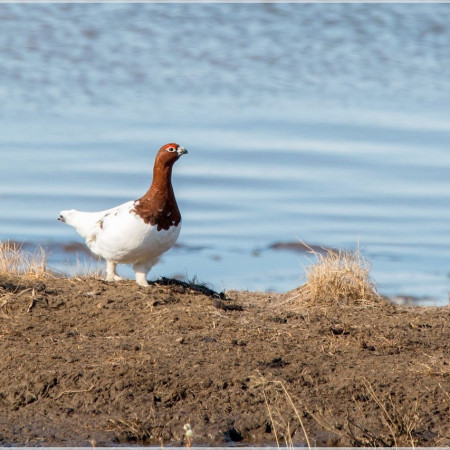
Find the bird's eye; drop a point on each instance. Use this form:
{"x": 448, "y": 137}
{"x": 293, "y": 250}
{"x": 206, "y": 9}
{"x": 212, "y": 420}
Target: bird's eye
{"x": 170, "y": 149}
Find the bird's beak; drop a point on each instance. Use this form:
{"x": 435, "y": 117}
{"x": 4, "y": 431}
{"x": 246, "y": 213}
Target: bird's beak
{"x": 181, "y": 151}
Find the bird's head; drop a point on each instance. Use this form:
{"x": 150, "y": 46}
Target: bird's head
{"x": 169, "y": 153}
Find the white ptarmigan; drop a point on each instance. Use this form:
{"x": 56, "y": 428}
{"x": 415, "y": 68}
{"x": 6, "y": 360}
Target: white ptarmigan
{"x": 137, "y": 232}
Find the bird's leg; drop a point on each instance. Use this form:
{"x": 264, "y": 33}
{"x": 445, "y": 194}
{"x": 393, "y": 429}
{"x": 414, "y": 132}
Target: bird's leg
{"x": 111, "y": 274}
{"x": 141, "y": 274}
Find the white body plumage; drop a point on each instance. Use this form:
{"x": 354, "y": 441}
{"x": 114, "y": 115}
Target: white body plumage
{"x": 121, "y": 236}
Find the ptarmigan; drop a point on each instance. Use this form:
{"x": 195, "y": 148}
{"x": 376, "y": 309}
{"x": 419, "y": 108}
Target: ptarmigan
{"x": 139, "y": 231}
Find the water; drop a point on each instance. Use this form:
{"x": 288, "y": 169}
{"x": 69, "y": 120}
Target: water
{"x": 323, "y": 123}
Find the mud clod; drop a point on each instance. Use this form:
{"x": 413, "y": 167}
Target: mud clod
{"x": 233, "y": 435}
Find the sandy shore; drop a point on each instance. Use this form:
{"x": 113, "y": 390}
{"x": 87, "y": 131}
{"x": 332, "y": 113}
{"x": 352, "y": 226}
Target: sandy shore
{"x": 86, "y": 362}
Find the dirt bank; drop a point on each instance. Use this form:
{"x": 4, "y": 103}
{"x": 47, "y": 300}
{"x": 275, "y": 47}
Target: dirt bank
{"x": 85, "y": 361}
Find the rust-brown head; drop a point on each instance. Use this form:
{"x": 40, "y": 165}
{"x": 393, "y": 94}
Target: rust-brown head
{"x": 168, "y": 154}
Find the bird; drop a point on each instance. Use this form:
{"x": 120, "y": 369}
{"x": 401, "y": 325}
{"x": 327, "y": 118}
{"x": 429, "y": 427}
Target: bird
{"x": 139, "y": 231}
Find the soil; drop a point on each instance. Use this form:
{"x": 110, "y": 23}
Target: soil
{"x": 85, "y": 362}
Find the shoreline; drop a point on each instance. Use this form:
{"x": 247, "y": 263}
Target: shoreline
{"x": 91, "y": 363}
{"x": 80, "y": 261}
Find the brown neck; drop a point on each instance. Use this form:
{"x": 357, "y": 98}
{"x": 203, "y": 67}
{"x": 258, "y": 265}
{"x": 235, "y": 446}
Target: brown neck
{"x": 161, "y": 183}
{"x": 158, "y": 205}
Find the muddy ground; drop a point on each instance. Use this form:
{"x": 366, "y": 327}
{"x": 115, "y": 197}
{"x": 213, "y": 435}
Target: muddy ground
{"x": 85, "y": 362}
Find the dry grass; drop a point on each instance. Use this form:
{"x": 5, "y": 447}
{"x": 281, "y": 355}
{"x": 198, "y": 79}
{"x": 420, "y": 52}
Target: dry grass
{"x": 141, "y": 431}
{"x": 396, "y": 425}
{"x": 131, "y": 430}
{"x": 87, "y": 268}
{"x": 14, "y": 260}
{"x": 283, "y": 414}
{"x": 435, "y": 366}
{"x": 339, "y": 278}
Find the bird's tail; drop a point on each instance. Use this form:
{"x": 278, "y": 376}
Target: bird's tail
{"x": 68, "y": 216}
{"x": 83, "y": 222}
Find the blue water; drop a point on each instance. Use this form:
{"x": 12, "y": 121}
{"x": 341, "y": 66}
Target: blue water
{"x": 323, "y": 123}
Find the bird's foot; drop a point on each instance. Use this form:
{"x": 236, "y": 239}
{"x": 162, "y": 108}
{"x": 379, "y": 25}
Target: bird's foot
{"x": 113, "y": 277}
{"x": 111, "y": 274}
{"x": 141, "y": 279}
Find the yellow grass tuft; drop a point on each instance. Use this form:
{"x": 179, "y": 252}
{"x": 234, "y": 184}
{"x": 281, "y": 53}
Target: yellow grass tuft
{"x": 16, "y": 261}
{"x": 339, "y": 277}
{"x": 87, "y": 268}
